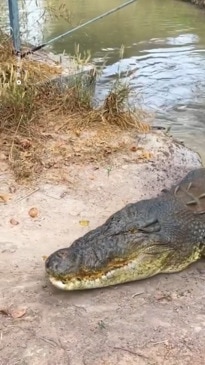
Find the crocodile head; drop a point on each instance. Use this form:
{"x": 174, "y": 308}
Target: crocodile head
{"x": 125, "y": 257}
{"x": 160, "y": 235}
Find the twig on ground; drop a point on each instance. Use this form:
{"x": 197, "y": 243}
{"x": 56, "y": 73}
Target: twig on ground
{"x": 136, "y": 353}
{"x": 136, "y": 294}
{"x": 26, "y": 196}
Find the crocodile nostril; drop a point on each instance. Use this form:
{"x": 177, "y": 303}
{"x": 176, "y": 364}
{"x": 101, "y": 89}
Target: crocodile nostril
{"x": 55, "y": 266}
{"x": 51, "y": 265}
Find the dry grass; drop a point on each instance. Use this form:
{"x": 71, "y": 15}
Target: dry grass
{"x": 28, "y": 111}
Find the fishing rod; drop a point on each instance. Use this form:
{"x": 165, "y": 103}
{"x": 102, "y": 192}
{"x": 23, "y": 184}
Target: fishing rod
{"x": 37, "y": 48}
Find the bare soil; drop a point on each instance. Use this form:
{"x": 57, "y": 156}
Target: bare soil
{"x": 155, "y": 321}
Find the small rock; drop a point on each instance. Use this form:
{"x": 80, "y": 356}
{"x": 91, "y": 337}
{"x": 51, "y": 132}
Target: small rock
{"x": 14, "y": 222}
{"x": 33, "y": 212}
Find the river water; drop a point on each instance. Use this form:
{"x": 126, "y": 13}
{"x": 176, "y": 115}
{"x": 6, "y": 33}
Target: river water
{"x": 163, "y": 61}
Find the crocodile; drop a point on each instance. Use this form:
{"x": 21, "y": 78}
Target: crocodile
{"x": 164, "y": 234}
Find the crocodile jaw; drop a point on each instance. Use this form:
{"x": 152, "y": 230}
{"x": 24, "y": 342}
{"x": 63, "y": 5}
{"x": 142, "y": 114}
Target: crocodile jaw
{"x": 121, "y": 275}
{"x": 141, "y": 267}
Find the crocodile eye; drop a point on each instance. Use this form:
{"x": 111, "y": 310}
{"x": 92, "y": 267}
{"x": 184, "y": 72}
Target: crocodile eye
{"x": 61, "y": 254}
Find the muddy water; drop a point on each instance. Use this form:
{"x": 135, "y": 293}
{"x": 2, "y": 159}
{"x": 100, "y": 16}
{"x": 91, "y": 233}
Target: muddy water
{"x": 164, "y": 56}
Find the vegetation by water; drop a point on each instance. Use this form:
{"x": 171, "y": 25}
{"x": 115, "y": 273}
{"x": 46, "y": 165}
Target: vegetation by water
{"x": 30, "y": 109}
{"x": 164, "y": 56}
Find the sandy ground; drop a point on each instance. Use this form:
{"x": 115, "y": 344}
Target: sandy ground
{"x": 155, "y": 321}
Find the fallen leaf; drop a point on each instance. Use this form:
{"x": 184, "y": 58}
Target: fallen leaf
{"x": 84, "y": 222}
{"x": 44, "y": 257}
{"x": 14, "y": 313}
{"x": 14, "y": 222}
{"x": 4, "y": 198}
{"x": 33, "y": 212}
{"x": 18, "y": 313}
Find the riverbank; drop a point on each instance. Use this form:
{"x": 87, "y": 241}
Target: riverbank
{"x": 39, "y": 324}
{"x": 44, "y": 123}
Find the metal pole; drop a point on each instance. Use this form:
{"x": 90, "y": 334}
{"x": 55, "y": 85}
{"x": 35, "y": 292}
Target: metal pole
{"x": 14, "y": 24}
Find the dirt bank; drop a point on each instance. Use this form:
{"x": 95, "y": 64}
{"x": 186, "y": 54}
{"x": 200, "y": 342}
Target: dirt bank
{"x": 156, "y": 321}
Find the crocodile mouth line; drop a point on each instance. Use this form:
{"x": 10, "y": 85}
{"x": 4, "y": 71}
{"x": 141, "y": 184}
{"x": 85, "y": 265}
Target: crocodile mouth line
{"x": 93, "y": 278}
{"x": 136, "y": 269}
{"x": 101, "y": 279}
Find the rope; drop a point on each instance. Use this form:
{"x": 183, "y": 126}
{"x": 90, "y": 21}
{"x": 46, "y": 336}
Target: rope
{"x": 37, "y": 48}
